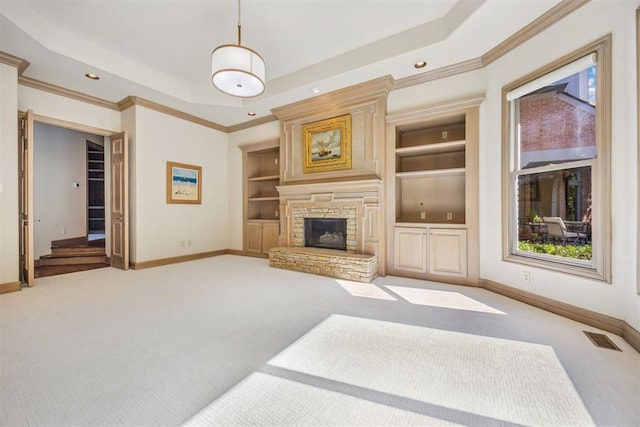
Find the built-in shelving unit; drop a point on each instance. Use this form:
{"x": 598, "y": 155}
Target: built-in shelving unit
{"x": 95, "y": 189}
{"x": 432, "y": 159}
{"x": 430, "y": 170}
{"x": 262, "y": 202}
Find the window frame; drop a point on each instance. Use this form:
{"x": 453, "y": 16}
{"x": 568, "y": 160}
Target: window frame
{"x": 600, "y": 266}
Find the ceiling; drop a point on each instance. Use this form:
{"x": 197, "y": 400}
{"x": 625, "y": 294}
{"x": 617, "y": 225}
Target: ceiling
{"x": 161, "y": 50}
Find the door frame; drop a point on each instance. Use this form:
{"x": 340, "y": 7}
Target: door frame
{"x": 37, "y": 118}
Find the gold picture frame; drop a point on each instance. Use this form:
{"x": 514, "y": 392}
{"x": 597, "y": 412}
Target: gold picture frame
{"x": 184, "y": 183}
{"x": 327, "y": 144}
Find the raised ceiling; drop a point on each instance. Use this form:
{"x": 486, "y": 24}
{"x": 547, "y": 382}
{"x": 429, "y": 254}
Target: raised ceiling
{"x": 161, "y": 50}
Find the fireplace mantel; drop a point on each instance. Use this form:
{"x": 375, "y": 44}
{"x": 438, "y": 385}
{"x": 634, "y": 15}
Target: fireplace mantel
{"x": 331, "y": 190}
{"x": 358, "y": 201}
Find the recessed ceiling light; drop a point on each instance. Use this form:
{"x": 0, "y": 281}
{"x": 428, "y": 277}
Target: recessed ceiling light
{"x": 420, "y": 64}
{"x": 315, "y": 90}
{"x": 251, "y": 114}
{"x": 92, "y": 76}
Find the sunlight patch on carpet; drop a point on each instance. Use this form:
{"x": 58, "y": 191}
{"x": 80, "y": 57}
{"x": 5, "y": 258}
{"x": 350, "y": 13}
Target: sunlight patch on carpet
{"x": 502, "y": 379}
{"x": 265, "y": 400}
{"x": 442, "y": 299}
{"x": 365, "y": 290}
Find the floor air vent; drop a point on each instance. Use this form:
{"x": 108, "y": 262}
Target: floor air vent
{"x": 601, "y": 340}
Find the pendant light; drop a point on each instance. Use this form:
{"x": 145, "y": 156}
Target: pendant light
{"x": 237, "y": 70}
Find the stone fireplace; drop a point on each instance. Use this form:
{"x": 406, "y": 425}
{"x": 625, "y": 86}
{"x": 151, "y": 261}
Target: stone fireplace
{"x": 354, "y": 193}
{"x": 352, "y": 215}
{"x": 358, "y": 202}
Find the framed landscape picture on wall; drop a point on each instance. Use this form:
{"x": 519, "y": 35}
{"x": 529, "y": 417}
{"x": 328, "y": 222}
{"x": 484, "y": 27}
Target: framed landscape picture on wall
{"x": 184, "y": 183}
{"x": 327, "y": 144}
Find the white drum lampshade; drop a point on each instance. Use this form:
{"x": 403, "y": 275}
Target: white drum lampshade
{"x": 237, "y": 70}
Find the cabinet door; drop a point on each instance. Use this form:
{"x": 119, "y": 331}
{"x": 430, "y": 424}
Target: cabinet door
{"x": 270, "y": 233}
{"x": 410, "y": 249}
{"x": 254, "y": 237}
{"x": 448, "y": 252}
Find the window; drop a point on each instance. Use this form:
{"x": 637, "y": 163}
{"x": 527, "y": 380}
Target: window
{"x": 556, "y": 165}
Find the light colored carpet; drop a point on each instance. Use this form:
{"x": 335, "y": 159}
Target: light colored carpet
{"x": 501, "y": 379}
{"x": 265, "y": 400}
{"x": 154, "y": 347}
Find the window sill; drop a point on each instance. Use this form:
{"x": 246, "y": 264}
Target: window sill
{"x": 587, "y": 272}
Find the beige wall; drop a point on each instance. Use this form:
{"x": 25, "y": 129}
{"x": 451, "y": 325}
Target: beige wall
{"x": 9, "y": 247}
{"x": 438, "y": 91}
{"x": 162, "y": 230}
{"x": 59, "y": 161}
{"x": 618, "y": 299}
{"x": 60, "y": 108}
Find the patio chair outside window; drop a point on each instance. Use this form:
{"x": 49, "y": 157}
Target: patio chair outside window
{"x": 557, "y": 229}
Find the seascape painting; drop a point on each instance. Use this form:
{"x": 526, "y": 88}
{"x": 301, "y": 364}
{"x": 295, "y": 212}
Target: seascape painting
{"x": 327, "y": 144}
{"x": 183, "y": 183}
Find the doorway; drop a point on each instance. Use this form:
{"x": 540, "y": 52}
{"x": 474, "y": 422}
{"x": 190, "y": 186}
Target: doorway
{"x": 115, "y": 172}
{"x": 68, "y": 200}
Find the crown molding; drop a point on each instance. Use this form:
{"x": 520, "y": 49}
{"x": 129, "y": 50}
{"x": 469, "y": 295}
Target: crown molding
{"x": 439, "y": 73}
{"x": 135, "y": 100}
{"x": 456, "y": 104}
{"x": 352, "y": 94}
{"x": 68, "y": 93}
{"x": 251, "y": 123}
{"x": 544, "y": 21}
{"x": 14, "y": 61}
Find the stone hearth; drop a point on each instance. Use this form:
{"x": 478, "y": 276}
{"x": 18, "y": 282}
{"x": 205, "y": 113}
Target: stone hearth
{"x": 326, "y": 262}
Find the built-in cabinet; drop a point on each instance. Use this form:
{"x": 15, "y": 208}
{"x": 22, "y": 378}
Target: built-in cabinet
{"x": 410, "y": 249}
{"x": 261, "y": 172}
{"x": 432, "y": 192}
{"x": 447, "y": 251}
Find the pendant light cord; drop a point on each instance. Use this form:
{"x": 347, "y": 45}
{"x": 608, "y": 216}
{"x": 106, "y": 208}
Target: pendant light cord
{"x": 239, "y": 26}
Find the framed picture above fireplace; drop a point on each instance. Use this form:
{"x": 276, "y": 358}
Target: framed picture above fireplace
{"x": 327, "y": 144}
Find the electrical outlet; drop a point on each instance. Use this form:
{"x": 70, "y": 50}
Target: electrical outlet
{"x": 526, "y": 276}
{"x": 449, "y": 216}
{"x": 423, "y": 215}
{"x": 445, "y": 134}
{"x": 182, "y": 243}
{"x": 64, "y": 231}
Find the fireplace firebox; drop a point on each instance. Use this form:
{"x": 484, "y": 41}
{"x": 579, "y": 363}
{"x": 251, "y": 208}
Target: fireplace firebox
{"x": 329, "y": 233}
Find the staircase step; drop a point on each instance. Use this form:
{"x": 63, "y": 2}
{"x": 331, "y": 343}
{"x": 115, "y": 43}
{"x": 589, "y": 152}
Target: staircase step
{"x": 80, "y": 251}
{"x": 69, "y": 260}
{"x": 73, "y": 241}
{"x": 52, "y": 270}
